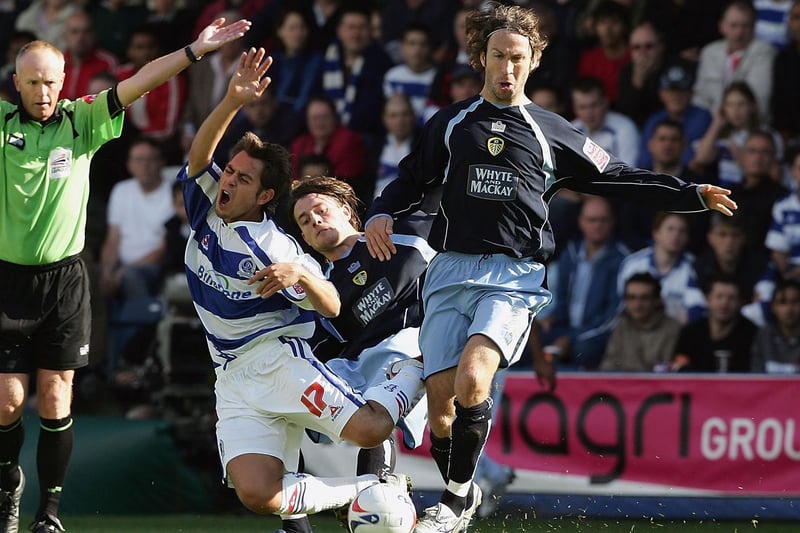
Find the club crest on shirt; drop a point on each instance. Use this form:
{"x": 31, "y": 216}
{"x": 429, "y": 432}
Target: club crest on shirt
{"x": 246, "y": 268}
{"x": 16, "y": 140}
{"x": 498, "y": 127}
{"x": 204, "y": 241}
{"x": 495, "y": 145}
{"x": 360, "y": 279}
{"x": 355, "y": 265}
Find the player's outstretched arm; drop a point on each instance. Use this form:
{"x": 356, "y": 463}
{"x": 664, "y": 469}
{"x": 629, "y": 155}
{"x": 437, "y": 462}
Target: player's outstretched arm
{"x": 165, "y": 67}
{"x": 246, "y": 85}
{"x": 718, "y": 199}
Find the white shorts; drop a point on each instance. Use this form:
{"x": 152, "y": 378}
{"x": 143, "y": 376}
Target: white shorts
{"x": 264, "y": 406}
{"x": 370, "y": 370}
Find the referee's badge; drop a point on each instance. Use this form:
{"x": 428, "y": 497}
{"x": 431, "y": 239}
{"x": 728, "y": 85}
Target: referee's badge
{"x": 361, "y": 278}
{"x": 495, "y": 145}
{"x": 16, "y": 140}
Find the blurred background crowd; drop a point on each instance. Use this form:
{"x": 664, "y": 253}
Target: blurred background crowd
{"x": 708, "y": 91}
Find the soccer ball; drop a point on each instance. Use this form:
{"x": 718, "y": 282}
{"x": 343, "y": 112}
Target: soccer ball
{"x": 382, "y": 508}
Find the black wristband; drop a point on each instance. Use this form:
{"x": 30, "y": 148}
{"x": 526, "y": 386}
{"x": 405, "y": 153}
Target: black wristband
{"x": 193, "y": 58}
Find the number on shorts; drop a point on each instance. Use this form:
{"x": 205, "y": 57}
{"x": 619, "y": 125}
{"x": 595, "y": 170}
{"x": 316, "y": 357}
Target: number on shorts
{"x": 312, "y": 399}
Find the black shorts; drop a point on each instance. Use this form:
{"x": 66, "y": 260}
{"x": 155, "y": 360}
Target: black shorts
{"x": 45, "y": 316}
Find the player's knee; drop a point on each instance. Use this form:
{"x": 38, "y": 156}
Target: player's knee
{"x": 259, "y": 499}
{"x": 440, "y": 425}
{"x": 371, "y": 428}
{"x": 10, "y": 412}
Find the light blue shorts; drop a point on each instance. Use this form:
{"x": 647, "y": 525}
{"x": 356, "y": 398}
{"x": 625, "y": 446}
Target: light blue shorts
{"x": 492, "y": 295}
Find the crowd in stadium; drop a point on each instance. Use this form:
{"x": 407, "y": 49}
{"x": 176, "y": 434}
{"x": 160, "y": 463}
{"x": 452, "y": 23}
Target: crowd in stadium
{"x": 706, "y": 91}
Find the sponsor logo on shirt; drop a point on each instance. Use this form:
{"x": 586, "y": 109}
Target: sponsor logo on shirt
{"x": 220, "y": 283}
{"x": 597, "y": 155}
{"x": 498, "y": 126}
{"x": 490, "y": 182}
{"x": 360, "y": 279}
{"x": 495, "y": 145}
{"x": 373, "y": 301}
{"x": 298, "y": 289}
{"x": 355, "y": 265}
{"x": 335, "y": 410}
{"x": 89, "y": 98}
{"x": 60, "y": 163}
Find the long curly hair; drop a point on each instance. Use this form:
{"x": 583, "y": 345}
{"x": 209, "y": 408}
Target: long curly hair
{"x": 482, "y": 23}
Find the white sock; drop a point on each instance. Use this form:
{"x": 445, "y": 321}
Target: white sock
{"x": 306, "y": 494}
{"x": 399, "y": 394}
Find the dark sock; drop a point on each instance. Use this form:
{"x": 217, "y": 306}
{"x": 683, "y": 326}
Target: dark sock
{"x": 297, "y": 525}
{"x": 52, "y": 456}
{"x": 379, "y": 460}
{"x": 440, "y": 451}
{"x": 470, "y": 431}
{"x": 11, "y": 438}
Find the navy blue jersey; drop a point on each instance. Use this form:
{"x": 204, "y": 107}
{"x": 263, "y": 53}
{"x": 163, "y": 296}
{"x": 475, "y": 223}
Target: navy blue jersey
{"x": 379, "y": 298}
{"x": 498, "y": 167}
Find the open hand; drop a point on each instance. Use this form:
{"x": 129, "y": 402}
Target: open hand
{"x": 249, "y": 81}
{"x": 378, "y": 236}
{"x": 217, "y": 33}
{"x": 718, "y": 199}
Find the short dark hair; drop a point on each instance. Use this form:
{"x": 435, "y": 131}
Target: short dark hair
{"x": 724, "y": 279}
{"x": 277, "y": 171}
{"x": 645, "y": 278}
{"x": 783, "y": 285}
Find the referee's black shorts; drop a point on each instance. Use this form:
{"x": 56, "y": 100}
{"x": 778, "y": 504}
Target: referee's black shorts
{"x": 45, "y": 316}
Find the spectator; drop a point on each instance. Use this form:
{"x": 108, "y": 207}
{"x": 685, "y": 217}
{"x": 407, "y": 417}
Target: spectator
{"x": 727, "y": 255}
{"x": 47, "y": 19}
{"x": 272, "y": 121}
{"x": 665, "y": 147}
{"x": 548, "y": 97}
{"x": 772, "y": 18}
{"x": 675, "y": 93}
{"x": 559, "y": 63}
{"x": 610, "y": 23}
{"x": 455, "y": 60}
{"x": 325, "y": 15}
{"x": 644, "y": 337}
{"x": 400, "y": 14}
{"x": 15, "y": 41}
{"x": 157, "y": 114}
{"x": 721, "y": 341}
{"x": 776, "y": 349}
{"x": 133, "y": 251}
{"x": 326, "y": 135}
{"x": 637, "y": 87}
{"x": 732, "y": 124}
{"x": 738, "y": 56}
{"x": 296, "y": 66}
{"x": 314, "y": 165}
{"x": 82, "y": 56}
{"x": 585, "y": 299}
{"x": 246, "y": 9}
{"x": 783, "y": 237}
{"x": 614, "y": 132}
{"x": 353, "y": 72}
{"x": 172, "y": 24}
{"x": 401, "y": 131}
{"x": 786, "y": 84}
{"x": 464, "y": 83}
{"x": 114, "y": 21}
{"x": 413, "y": 77}
{"x": 669, "y": 262}
{"x": 758, "y": 192}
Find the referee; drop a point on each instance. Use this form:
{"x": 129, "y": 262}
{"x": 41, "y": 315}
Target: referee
{"x": 47, "y": 145}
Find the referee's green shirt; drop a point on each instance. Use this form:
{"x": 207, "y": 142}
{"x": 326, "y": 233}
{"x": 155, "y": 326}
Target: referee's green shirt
{"x": 44, "y": 176}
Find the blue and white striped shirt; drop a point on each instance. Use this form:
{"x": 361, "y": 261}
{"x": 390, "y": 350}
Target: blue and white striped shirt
{"x": 220, "y": 258}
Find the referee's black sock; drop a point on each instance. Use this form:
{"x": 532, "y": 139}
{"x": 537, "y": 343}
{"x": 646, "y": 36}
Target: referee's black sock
{"x": 52, "y": 455}
{"x": 470, "y": 431}
{"x": 11, "y": 439}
